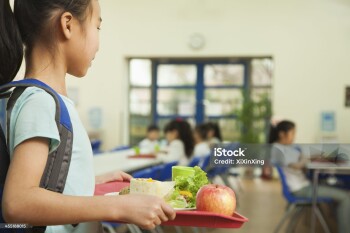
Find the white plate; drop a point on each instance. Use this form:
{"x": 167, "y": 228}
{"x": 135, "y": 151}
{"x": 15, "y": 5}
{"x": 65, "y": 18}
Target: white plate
{"x": 112, "y": 194}
{"x": 184, "y": 209}
{"x": 179, "y": 209}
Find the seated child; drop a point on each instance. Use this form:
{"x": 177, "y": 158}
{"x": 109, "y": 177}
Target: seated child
{"x": 179, "y": 136}
{"x": 150, "y": 143}
{"x": 201, "y": 147}
{"x": 291, "y": 160}
{"x": 213, "y": 134}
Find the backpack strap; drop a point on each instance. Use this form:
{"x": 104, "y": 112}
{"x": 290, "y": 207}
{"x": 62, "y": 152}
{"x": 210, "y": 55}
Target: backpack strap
{"x": 17, "y": 92}
{"x": 4, "y": 160}
{"x": 57, "y": 165}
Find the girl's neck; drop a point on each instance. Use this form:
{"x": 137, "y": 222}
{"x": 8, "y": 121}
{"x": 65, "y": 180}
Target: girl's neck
{"x": 49, "y": 69}
{"x": 282, "y": 142}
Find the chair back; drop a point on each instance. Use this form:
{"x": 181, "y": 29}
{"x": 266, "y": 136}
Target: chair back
{"x": 194, "y": 161}
{"x": 288, "y": 195}
{"x": 144, "y": 173}
{"x": 166, "y": 172}
{"x": 285, "y": 189}
{"x": 204, "y": 163}
{"x": 150, "y": 172}
{"x": 120, "y": 148}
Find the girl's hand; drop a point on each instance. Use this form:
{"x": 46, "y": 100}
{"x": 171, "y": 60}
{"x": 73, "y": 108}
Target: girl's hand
{"x": 145, "y": 211}
{"x": 112, "y": 176}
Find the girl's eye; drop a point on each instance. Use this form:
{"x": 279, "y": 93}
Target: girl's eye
{"x": 99, "y": 28}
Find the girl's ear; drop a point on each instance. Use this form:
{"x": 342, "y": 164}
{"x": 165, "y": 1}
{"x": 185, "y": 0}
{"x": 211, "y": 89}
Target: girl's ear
{"x": 176, "y": 133}
{"x": 66, "y": 24}
{"x": 281, "y": 135}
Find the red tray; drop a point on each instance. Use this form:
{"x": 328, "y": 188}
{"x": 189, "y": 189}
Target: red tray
{"x": 185, "y": 218}
{"x": 142, "y": 156}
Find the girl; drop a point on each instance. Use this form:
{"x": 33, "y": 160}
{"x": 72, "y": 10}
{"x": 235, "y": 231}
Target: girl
{"x": 287, "y": 156}
{"x": 151, "y": 142}
{"x": 178, "y": 133}
{"x": 213, "y": 134}
{"x": 59, "y": 37}
{"x": 201, "y": 148}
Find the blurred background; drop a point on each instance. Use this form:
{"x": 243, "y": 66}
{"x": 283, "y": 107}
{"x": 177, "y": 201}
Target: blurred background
{"x": 295, "y": 52}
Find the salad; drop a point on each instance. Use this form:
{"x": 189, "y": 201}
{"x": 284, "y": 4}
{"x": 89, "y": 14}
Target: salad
{"x": 180, "y": 193}
{"x": 186, "y": 188}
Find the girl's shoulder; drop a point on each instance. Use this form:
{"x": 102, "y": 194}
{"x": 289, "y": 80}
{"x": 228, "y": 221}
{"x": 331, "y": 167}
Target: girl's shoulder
{"x": 177, "y": 142}
{"x": 35, "y": 96}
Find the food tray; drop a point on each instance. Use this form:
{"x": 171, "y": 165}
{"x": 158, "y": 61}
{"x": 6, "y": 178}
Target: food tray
{"x": 142, "y": 156}
{"x": 185, "y": 218}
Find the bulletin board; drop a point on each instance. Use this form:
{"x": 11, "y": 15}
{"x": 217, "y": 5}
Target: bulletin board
{"x": 347, "y": 96}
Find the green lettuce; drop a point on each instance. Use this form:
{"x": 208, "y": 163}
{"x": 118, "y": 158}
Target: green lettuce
{"x": 191, "y": 184}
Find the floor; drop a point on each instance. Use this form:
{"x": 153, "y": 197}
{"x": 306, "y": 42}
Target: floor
{"x": 262, "y": 203}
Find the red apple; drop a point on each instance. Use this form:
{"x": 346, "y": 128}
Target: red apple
{"x": 216, "y": 198}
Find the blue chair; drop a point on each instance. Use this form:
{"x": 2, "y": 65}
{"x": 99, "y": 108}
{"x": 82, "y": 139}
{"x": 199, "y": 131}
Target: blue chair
{"x": 166, "y": 172}
{"x": 120, "y": 148}
{"x": 194, "y": 161}
{"x": 156, "y": 171}
{"x": 297, "y": 204}
{"x": 204, "y": 163}
{"x": 144, "y": 173}
{"x": 151, "y": 172}
{"x": 95, "y": 145}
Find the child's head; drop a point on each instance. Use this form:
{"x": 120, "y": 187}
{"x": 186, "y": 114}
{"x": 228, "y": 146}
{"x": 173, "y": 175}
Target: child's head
{"x": 153, "y": 132}
{"x": 213, "y": 131}
{"x": 200, "y": 133}
{"x": 283, "y": 132}
{"x": 67, "y": 30}
{"x": 180, "y": 129}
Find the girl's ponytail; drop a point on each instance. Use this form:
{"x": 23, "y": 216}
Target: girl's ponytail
{"x": 185, "y": 134}
{"x": 11, "y": 46}
{"x": 283, "y": 126}
{"x": 273, "y": 136}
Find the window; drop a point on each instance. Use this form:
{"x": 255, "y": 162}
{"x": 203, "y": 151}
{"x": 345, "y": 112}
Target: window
{"x": 197, "y": 90}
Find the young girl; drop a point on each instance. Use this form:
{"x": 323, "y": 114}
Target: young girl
{"x": 151, "y": 142}
{"x": 201, "y": 148}
{"x": 178, "y": 134}
{"x": 59, "y": 37}
{"x": 290, "y": 159}
{"x": 213, "y": 134}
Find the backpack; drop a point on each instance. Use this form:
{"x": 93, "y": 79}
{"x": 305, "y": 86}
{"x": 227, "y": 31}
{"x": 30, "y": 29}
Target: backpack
{"x": 57, "y": 165}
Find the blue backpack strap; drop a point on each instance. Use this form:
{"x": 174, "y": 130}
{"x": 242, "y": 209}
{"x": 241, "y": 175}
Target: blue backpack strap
{"x": 57, "y": 165}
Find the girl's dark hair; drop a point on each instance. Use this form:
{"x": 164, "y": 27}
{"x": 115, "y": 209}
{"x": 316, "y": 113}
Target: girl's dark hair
{"x": 152, "y": 128}
{"x": 202, "y": 131}
{"x": 31, "y": 21}
{"x": 215, "y": 127}
{"x": 185, "y": 134}
{"x": 283, "y": 126}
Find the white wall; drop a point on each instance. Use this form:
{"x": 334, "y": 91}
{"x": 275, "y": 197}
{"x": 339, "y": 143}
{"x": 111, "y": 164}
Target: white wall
{"x": 309, "y": 41}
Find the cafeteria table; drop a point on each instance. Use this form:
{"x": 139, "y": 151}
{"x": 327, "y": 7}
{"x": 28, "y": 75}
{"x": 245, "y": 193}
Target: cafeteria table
{"x": 326, "y": 168}
{"x": 121, "y": 161}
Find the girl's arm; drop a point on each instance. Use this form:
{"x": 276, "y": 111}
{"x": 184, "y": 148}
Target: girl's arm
{"x": 112, "y": 176}
{"x": 25, "y": 202}
{"x": 301, "y": 164}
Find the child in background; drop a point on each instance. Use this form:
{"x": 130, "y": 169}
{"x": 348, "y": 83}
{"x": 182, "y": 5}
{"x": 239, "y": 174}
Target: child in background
{"x": 179, "y": 136}
{"x": 200, "y": 135}
{"x": 287, "y": 156}
{"x": 151, "y": 142}
{"x": 213, "y": 134}
{"x": 60, "y": 37}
